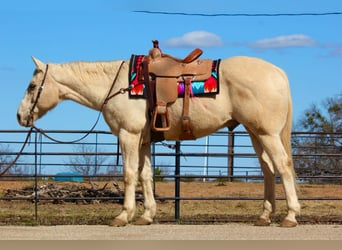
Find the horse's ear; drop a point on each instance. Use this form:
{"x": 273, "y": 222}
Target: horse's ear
{"x": 39, "y": 64}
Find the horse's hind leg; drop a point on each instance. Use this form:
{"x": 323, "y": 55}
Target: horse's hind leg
{"x": 283, "y": 164}
{"x": 145, "y": 175}
{"x": 269, "y": 182}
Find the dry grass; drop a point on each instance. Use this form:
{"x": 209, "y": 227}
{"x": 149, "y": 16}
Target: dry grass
{"x": 191, "y": 211}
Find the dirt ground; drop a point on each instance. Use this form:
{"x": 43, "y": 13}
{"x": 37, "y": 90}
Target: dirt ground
{"x": 211, "y": 189}
{"x": 191, "y": 210}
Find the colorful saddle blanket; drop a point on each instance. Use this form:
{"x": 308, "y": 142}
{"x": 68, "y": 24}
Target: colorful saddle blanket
{"x": 198, "y": 88}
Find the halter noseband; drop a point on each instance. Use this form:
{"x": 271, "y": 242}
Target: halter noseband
{"x": 41, "y": 87}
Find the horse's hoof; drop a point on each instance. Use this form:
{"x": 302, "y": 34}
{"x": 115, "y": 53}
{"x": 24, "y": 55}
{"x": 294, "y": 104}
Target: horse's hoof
{"x": 261, "y": 222}
{"x": 288, "y": 223}
{"x": 143, "y": 222}
{"x": 118, "y": 223}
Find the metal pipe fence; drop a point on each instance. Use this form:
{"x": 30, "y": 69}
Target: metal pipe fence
{"x": 224, "y": 155}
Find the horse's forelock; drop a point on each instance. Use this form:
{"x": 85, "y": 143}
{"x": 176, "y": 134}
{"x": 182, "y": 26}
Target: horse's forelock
{"x": 36, "y": 71}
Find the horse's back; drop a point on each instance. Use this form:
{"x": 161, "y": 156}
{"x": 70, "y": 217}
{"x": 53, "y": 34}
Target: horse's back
{"x": 252, "y": 71}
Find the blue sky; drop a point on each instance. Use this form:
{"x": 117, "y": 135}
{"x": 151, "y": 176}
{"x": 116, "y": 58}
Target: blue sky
{"x": 308, "y": 48}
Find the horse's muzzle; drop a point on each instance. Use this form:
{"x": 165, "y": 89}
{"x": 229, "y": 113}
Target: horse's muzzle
{"x": 25, "y": 122}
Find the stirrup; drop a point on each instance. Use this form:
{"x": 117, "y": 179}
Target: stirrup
{"x": 161, "y": 111}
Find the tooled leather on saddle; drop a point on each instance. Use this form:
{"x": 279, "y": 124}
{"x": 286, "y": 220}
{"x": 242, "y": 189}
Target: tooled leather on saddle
{"x": 162, "y": 78}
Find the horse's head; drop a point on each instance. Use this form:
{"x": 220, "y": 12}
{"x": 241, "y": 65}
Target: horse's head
{"x": 40, "y": 96}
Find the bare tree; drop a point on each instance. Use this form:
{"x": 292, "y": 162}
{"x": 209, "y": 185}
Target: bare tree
{"x": 88, "y": 162}
{"x": 316, "y": 152}
{"x": 6, "y": 158}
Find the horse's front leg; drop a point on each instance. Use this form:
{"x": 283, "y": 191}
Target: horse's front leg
{"x": 130, "y": 155}
{"x": 145, "y": 176}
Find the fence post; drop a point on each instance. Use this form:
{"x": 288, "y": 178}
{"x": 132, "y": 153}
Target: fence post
{"x": 96, "y": 155}
{"x": 177, "y": 179}
{"x": 36, "y": 177}
{"x": 230, "y": 155}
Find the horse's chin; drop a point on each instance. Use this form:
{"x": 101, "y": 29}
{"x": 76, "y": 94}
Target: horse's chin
{"x": 26, "y": 123}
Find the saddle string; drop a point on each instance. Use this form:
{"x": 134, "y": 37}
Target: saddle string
{"x": 41, "y": 131}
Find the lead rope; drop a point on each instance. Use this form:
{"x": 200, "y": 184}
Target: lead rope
{"x": 19, "y": 154}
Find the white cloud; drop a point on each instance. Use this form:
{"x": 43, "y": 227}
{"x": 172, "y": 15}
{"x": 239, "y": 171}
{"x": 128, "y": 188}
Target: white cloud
{"x": 195, "y": 39}
{"x": 295, "y": 40}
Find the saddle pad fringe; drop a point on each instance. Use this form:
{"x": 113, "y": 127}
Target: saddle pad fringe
{"x": 134, "y": 77}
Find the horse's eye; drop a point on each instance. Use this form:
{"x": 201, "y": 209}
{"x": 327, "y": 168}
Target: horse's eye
{"x": 31, "y": 87}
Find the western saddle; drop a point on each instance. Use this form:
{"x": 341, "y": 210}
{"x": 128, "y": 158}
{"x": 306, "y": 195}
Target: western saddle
{"x": 162, "y": 73}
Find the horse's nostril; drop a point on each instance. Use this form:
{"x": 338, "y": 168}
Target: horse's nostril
{"x": 18, "y": 117}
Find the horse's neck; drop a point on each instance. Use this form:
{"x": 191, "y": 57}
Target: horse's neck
{"x": 88, "y": 83}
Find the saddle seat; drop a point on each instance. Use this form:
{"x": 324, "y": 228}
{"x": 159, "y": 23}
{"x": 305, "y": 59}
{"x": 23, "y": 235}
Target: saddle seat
{"x": 193, "y": 55}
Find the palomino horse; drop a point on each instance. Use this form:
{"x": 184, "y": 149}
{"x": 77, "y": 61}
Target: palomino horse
{"x": 253, "y": 93}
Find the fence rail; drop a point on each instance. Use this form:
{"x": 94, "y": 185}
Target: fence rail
{"x": 222, "y": 155}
